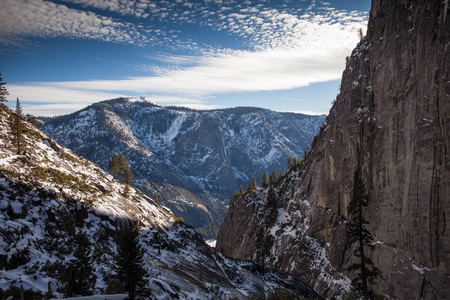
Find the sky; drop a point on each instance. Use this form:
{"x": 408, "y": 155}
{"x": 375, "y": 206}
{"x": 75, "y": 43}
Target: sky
{"x": 58, "y": 57}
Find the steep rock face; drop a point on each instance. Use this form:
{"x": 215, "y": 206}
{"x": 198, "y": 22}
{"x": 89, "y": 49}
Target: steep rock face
{"x": 193, "y": 160}
{"x": 391, "y": 122}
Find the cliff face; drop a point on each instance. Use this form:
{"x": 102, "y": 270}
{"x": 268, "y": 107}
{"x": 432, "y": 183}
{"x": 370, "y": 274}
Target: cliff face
{"x": 391, "y": 121}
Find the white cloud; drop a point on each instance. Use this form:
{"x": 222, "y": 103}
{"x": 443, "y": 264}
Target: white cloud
{"x": 238, "y": 72}
{"x": 42, "y": 100}
{"x": 46, "y": 19}
{"x": 310, "y": 112}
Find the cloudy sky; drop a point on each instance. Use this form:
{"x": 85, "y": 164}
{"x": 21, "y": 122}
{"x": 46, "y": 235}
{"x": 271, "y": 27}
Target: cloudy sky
{"x": 285, "y": 55}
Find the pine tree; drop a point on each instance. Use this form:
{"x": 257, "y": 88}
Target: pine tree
{"x": 306, "y": 153}
{"x": 265, "y": 179}
{"x": 124, "y": 173}
{"x": 114, "y": 167}
{"x": 254, "y": 185}
{"x": 81, "y": 279}
{"x": 357, "y": 233}
{"x": 271, "y": 207}
{"x": 129, "y": 260}
{"x": 3, "y": 91}
{"x": 260, "y": 247}
{"x": 274, "y": 175}
{"x": 18, "y": 127}
{"x": 289, "y": 163}
{"x": 241, "y": 190}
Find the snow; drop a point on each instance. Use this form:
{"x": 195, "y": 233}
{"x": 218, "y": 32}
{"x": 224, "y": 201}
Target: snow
{"x": 101, "y": 297}
{"x": 211, "y": 243}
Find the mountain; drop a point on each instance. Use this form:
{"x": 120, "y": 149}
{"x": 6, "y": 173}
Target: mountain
{"x": 192, "y": 160}
{"x": 389, "y": 126}
{"x": 54, "y": 203}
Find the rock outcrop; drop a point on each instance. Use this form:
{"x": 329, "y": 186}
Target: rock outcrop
{"x": 390, "y": 122}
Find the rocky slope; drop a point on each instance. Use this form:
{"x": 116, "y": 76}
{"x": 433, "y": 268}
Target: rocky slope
{"x": 49, "y": 195}
{"x": 193, "y": 160}
{"x": 391, "y": 122}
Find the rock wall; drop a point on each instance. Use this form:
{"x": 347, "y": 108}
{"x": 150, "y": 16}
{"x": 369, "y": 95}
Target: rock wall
{"x": 391, "y": 122}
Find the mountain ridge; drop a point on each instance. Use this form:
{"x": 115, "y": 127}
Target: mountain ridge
{"x": 174, "y": 152}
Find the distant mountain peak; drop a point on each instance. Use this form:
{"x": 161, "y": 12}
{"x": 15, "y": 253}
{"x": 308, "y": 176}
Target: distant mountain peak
{"x": 175, "y": 151}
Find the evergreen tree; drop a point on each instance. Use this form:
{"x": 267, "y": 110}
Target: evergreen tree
{"x": 289, "y": 163}
{"x": 260, "y": 247}
{"x": 241, "y": 190}
{"x": 306, "y": 152}
{"x": 129, "y": 260}
{"x": 114, "y": 167}
{"x": 81, "y": 279}
{"x": 265, "y": 179}
{"x": 357, "y": 233}
{"x": 248, "y": 188}
{"x": 271, "y": 207}
{"x": 124, "y": 172}
{"x": 128, "y": 176}
{"x": 18, "y": 127}
{"x": 254, "y": 185}
{"x": 274, "y": 175}
{"x": 3, "y": 91}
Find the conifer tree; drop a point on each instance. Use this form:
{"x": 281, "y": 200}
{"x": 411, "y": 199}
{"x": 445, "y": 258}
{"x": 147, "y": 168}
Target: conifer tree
{"x": 289, "y": 163}
{"x": 265, "y": 179}
{"x": 18, "y": 127}
{"x": 306, "y": 153}
{"x": 81, "y": 279}
{"x": 3, "y": 91}
{"x": 254, "y": 185}
{"x": 271, "y": 207}
{"x": 114, "y": 167}
{"x": 129, "y": 260}
{"x": 274, "y": 175}
{"x": 260, "y": 247}
{"x": 241, "y": 189}
{"x": 358, "y": 233}
{"x": 125, "y": 175}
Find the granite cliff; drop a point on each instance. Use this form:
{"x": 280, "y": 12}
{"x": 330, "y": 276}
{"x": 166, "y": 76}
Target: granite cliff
{"x": 391, "y": 123}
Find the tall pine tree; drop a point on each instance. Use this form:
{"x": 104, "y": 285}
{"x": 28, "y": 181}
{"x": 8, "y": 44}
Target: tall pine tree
{"x": 254, "y": 185}
{"x": 18, "y": 127}
{"x": 80, "y": 275}
{"x": 129, "y": 261}
{"x": 114, "y": 167}
{"x": 265, "y": 179}
{"x": 3, "y": 91}
{"x": 358, "y": 233}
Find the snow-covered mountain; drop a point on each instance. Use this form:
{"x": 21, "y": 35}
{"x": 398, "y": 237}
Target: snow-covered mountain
{"x": 49, "y": 196}
{"x": 193, "y": 160}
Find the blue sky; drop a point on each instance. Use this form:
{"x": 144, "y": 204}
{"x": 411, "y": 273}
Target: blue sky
{"x": 285, "y": 55}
